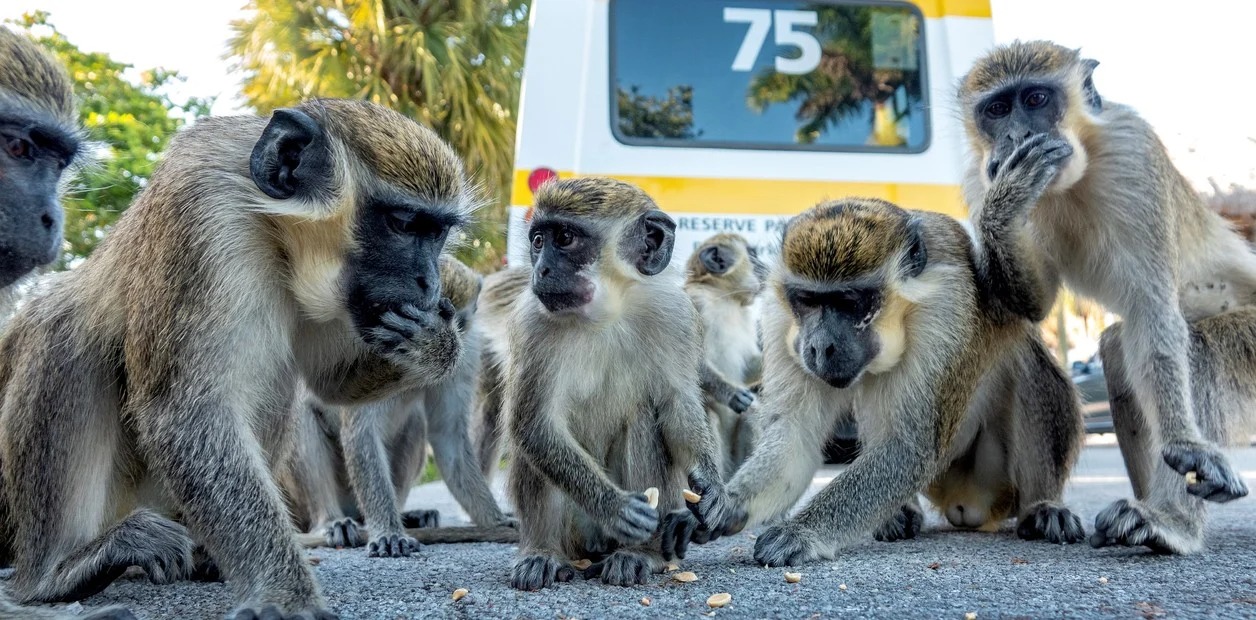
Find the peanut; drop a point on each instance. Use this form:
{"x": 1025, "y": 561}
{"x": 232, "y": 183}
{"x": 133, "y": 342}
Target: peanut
{"x": 685, "y": 577}
{"x": 793, "y": 577}
{"x": 691, "y": 497}
{"x": 719, "y": 600}
{"x": 652, "y": 496}
{"x": 459, "y": 593}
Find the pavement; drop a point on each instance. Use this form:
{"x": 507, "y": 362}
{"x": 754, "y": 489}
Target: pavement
{"x": 943, "y": 573}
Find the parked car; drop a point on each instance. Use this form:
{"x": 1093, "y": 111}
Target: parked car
{"x": 1093, "y": 389}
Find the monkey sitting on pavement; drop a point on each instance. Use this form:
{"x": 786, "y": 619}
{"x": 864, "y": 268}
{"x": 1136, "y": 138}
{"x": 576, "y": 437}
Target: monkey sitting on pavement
{"x": 41, "y": 142}
{"x": 602, "y": 388}
{"x": 874, "y": 312}
{"x": 1067, "y": 188}
{"x": 358, "y": 464}
{"x": 158, "y": 377}
{"x": 723, "y": 278}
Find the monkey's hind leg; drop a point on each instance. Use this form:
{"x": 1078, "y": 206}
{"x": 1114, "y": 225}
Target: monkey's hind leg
{"x": 543, "y": 518}
{"x": 1046, "y": 435}
{"x": 1166, "y": 516}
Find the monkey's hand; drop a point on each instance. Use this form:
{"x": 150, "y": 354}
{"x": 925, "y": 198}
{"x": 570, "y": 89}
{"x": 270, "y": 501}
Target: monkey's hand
{"x": 392, "y": 546}
{"x": 717, "y": 512}
{"x": 424, "y": 342}
{"x": 635, "y": 521}
{"x": 1021, "y": 179}
{"x": 786, "y": 544}
{"x": 741, "y": 400}
{"x": 1215, "y": 479}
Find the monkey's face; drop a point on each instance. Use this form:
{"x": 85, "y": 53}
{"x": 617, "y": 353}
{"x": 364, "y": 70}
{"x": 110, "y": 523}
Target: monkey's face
{"x": 841, "y": 262}
{"x": 33, "y": 154}
{"x": 731, "y": 259}
{"x": 579, "y": 263}
{"x": 375, "y": 215}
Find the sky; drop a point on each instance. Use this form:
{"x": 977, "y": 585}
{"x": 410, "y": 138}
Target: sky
{"x": 1188, "y": 68}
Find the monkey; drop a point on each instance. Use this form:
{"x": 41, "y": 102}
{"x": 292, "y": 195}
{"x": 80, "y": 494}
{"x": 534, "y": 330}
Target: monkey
{"x": 602, "y": 390}
{"x": 873, "y": 311}
{"x": 1068, "y": 188}
{"x": 723, "y": 278}
{"x": 357, "y": 464}
{"x": 42, "y": 143}
{"x": 157, "y": 377}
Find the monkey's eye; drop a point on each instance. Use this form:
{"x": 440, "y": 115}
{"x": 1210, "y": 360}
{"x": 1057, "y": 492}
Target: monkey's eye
{"x": 998, "y": 109}
{"x": 538, "y": 241}
{"x": 1036, "y": 99}
{"x": 564, "y": 239}
{"x": 19, "y": 148}
{"x": 408, "y": 223}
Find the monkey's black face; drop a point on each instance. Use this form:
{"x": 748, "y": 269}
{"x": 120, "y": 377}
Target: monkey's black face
{"x": 396, "y": 264}
{"x": 835, "y": 340}
{"x": 33, "y": 158}
{"x": 562, "y": 249}
{"x": 1010, "y": 116}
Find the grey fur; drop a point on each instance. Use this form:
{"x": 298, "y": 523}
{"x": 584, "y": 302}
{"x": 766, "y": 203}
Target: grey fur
{"x": 1114, "y": 220}
{"x": 156, "y": 379}
{"x": 918, "y": 417}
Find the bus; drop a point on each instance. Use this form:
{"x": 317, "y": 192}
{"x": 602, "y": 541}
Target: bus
{"x": 736, "y": 114}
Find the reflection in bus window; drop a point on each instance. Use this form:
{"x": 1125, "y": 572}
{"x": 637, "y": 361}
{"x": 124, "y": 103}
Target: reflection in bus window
{"x": 757, "y": 74}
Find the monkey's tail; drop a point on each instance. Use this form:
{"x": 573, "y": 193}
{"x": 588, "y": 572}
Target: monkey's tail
{"x": 435, "y": 535}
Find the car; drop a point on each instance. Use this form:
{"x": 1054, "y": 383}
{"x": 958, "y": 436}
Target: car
{"x": 1093, "y": 389}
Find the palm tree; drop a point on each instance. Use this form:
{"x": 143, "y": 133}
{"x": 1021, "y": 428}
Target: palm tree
{"x": 453, "y": 65}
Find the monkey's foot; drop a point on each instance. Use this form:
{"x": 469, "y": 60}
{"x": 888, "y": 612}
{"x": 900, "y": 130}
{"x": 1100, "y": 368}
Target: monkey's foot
{"x": 636, "y": 520}
{"x": 1215, "y": 479}
{"x": 534, "y": 572}
{"x": 624, "y": 568}
{"x": 1132, "y": 524}
{"x": 204, "y": 568}
{"x": 786, "y": 544}
{"x": 1051, "y": 522}
{"x": 271, "y": 612}
{"x": 163, "y": 550}
{"x": 420, "y": 518}
{"x": 392, "y": 546}
{"x": 905, "y": 524}
{"x": 344, "y": 533}
{"x": 508, "y": 521}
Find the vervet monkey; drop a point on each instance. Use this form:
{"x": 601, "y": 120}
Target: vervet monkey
{"x": 357, "y": 465}
{"x": 873, "y": 312}
{"x": 723, "y": 278}
{"x": 602, "y": 388}
{"x": 158, "y": 377}
{"x": 1067, "y": 188}
{"x": 41, "y": 141}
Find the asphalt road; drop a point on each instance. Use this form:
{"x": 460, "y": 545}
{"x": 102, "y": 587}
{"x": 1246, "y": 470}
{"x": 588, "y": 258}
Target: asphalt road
{"x": 941, "y": 574}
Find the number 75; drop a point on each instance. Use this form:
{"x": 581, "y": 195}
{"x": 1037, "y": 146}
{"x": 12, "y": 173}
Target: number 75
{"x": 760, "y": 21}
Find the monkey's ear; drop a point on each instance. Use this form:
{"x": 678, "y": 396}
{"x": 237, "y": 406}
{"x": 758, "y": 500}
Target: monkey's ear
{"x": 652, "y": 239}
{"x": 917, "y": 255}
{"x": 1088, "y": 84}
{"x": 292, "y": 158}
{"x": 714, "y": 260}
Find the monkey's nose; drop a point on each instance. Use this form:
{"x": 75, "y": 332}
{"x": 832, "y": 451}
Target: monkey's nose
{"x": 47, "y": 221}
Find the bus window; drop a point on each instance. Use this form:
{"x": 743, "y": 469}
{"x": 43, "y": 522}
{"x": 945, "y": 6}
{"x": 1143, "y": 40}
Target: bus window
{"x": 760, "y": 74}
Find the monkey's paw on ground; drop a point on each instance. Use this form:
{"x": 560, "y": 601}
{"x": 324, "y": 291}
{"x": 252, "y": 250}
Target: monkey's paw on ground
{"x": 624, "y": 568}
{"x": 392, "y": 546}
{"x": 163, "y": 547}
{"x": 786, "y": 544}
{"x": 1215, "y": 479}
{"x": 344, "y": 533}
{"x": 534, "y": 572}
{"x": 1051, "y": 522}
{"x": 271, "y": 612}
{"x": 420, "y": 518}
{"x": 636, "y": 520}
{"x": 1133, "y": 524}
{"x": 904, "y": 525}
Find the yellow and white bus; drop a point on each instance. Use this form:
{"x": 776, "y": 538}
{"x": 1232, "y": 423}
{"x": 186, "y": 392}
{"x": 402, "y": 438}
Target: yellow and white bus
{"x": 736, "y": 114}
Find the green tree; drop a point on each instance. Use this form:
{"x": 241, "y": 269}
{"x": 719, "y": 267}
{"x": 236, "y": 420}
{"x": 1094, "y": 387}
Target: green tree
{"x": 845, "y": 80}
{"x": 669, "y": 116}
{"x": 453, "y": 65}
{"x": 129, "y": 121}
